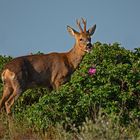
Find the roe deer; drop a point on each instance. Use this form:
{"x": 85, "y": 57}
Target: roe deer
{"x": 44, "y": 70}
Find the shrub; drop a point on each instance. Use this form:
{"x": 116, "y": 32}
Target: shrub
{"x": 114, "y": 89}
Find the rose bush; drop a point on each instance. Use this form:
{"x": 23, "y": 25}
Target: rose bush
{"x": 111, "y": 88}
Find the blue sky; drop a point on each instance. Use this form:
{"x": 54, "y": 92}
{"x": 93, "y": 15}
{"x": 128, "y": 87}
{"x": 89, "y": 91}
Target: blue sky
{"x": 29, "y": 26}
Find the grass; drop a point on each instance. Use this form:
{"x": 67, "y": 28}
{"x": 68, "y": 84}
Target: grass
{"x": 102, "y": 129}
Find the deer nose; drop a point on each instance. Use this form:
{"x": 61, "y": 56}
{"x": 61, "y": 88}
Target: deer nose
{"x": 89, "y": 45}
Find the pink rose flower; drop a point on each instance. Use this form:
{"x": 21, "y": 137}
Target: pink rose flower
{"x": 92, "y": 71}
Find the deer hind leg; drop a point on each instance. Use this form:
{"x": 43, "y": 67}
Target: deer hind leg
{"x": 6, "y": 93}
{"x": 11, "y": 80}
{"x": 13, "y": 97}
{"x": 6, "y": 77}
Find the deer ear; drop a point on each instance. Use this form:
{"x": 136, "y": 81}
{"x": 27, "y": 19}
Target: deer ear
{"x": 71, "y": 31}
{"x": 92, "y": 30}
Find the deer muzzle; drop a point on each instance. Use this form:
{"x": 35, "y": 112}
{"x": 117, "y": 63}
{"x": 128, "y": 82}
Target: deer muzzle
{"x": 89, "y": 47}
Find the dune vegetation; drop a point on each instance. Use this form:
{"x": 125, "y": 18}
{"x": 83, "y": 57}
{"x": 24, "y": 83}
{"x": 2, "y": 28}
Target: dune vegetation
{"x": 100, "y": 102}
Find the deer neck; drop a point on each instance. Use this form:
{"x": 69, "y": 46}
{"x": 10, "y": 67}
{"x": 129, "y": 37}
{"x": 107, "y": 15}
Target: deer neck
{"x": 75, "y": 56}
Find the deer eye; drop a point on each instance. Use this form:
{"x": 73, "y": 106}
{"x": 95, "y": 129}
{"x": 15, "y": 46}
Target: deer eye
{"x": 81, "y": 39}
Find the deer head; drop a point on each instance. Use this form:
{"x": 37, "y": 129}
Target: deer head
{"x": 83, "y": 38}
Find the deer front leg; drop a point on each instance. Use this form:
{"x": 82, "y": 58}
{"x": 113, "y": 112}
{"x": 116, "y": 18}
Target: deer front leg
{"x": 58, "y": 82}
{"x": 56, "y": 85}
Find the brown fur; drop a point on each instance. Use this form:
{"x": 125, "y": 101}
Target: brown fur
{"x": 44, "y": 70}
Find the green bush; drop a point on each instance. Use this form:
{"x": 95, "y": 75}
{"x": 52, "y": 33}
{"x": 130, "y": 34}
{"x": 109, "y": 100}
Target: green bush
{"x": 114, "y": 89}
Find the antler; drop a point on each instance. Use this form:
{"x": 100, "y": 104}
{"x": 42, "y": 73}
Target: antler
{"x": 79, "y": 25}
{"x": 84, "y": 22}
